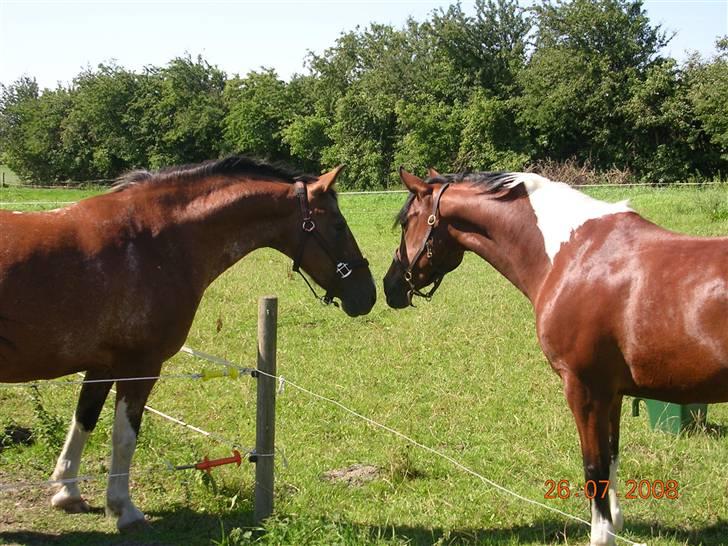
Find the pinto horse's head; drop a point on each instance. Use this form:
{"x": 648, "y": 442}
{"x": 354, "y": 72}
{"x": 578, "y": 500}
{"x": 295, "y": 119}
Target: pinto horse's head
{"x": 426, "y": 251}
{"x": 325, "y": 248}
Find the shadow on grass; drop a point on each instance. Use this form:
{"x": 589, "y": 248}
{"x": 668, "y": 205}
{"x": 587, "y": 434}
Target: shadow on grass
{"x": 711, "y": 430}
{"x": 183, "y": 526}
{"x": 554, "y": 531}
{"x": 172, "y": 527}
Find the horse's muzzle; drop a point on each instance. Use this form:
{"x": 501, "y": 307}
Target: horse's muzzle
{"x": 359, "y": 297}
{"x": 396, "y": 290}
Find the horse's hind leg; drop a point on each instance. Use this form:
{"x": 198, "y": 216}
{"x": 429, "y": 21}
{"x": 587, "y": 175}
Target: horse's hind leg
{"x": 84, "y": 420}
{"x": 130, "y": 399}
{"x": 591, "y": 413}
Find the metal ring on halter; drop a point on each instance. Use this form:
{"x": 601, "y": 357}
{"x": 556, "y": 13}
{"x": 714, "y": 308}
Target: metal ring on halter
{"x": 343, "y": 269}
{"x": 431, "y": 220}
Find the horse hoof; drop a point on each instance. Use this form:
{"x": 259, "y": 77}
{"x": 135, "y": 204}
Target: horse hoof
{"x": 130, "y": 518}
{"x": 70, "y": 505}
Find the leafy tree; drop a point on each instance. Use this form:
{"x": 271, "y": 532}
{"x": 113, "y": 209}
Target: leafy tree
{"x": 430, "y": 133}
{"x": 708, "y": 96}
{"x": 491, "y": 139}
{"x": 590, "y": 56}
{"x": 99, "y": 134}
{"x": 663, "y": 138}
{"x": 488, "y": 49}
{"x": 30, "y": 129}
{"x": 181, "y": 111}
{"x": 259, "y": 109}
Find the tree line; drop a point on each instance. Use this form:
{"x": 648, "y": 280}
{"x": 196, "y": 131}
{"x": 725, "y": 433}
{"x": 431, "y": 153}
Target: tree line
{"x": 501, "y": 89}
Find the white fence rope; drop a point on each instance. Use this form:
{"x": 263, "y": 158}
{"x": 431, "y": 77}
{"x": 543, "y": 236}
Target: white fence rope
{"x": 213, "y": 436}
{"x": 448, "y": 458}
{"x": 283, "y": 381}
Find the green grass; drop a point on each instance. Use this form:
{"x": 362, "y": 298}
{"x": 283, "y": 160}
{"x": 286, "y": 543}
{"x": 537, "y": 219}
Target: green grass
{"x": 462, "y": 374}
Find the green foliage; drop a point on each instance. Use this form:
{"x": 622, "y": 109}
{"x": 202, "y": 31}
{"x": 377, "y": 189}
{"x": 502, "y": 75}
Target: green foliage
{"x": 662, "y": 140}
{"x": 50, "y": 428}
{"x": 708, "y": 94}
{"x": 430, "y": 133}
{"x": 497, "y": 87}
{"x": 491, "y": 139}
{"x": 99, "y": 135}
{"x": 186, "y": 106}
{"x": 487, "y": 50}
{"x": 590, "y": 57}
{"x": 31, "y": 128}
{"x": 259, "y": 108}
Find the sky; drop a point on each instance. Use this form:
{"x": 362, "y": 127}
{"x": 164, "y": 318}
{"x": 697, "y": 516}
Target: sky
{"x": 53, "y": 40}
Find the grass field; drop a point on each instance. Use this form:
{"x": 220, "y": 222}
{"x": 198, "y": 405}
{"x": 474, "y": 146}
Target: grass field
{"x": 8, "y": 177}
{"x": 462, "y": 374}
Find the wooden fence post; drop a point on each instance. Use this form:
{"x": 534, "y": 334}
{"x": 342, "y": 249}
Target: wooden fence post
{"x": 266, "y": 414}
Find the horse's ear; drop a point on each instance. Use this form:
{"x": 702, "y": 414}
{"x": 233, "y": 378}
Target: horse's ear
{"x": 432, "y": 173}
{"x": 413, "y": 183}
{"x": 326, "y": 181}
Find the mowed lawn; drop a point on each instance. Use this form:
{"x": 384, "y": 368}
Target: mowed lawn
{"x": 462, "y": 374}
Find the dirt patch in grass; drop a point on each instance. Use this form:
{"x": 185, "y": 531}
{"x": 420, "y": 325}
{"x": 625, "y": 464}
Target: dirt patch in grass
{"x": 354, "y": 475}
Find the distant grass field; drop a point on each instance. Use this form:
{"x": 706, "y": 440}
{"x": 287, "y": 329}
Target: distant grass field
{"x": 462, "y": 374}
{"x": 8, "y": 177}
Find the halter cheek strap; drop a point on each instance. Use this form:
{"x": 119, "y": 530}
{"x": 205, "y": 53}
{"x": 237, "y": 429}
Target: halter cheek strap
{"x": 308, "y": 228}
{"x": 432, "y": 221}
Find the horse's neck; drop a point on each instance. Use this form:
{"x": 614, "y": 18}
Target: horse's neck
{"x": 521, "y": 234}
{"x": 218, "y": 222}
{"x": 502, "y": 232}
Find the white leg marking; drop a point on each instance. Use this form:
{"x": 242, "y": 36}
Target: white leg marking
{"x": 615, "y": 509}
{"x": 602, "y": 531}
{"x": 69, "y": 495}
{"x": 118, "y": 502}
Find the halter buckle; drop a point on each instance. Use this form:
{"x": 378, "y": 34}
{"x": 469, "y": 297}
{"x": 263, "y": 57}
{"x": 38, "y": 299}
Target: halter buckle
{"x": 408, "y": 276}
{"x": 308, "y": 225}
{"x": 343, "y": 269}
{"x": 431, "y": 220}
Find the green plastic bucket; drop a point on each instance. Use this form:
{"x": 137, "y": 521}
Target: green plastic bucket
{"x": 669, "y": 417}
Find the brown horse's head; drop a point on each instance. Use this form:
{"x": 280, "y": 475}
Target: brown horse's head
{"x": 325, "y": 248}
{"x": 426, "y": 250}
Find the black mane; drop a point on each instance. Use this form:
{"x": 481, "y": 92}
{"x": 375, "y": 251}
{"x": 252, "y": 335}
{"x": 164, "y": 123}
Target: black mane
{"x": 234, "y": 165}
{"x": 489, "y": 181}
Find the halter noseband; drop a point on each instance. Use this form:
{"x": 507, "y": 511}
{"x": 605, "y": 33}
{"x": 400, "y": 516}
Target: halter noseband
{"x": 308, "y": 227}
{"x": 432, "y": 221}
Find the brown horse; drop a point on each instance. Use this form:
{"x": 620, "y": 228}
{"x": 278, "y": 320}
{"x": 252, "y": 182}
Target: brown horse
{"x": 111, "y": 284}
{"x": 623, "y": 307}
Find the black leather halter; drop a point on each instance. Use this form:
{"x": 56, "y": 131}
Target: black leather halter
{"x": 308, "y": 226}
{"x": 432, "y": 221}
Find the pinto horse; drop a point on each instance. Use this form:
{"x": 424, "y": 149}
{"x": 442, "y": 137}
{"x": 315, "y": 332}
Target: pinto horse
{"x": 110, "y": 285}
{"x": 622, "y": 306}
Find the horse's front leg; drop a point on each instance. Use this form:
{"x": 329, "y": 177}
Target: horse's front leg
{"x": 131, "y": 397}
{"x": 90, "y": 401}
{"x": 592, "y": 414}
{"x": 615, "y": 415}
